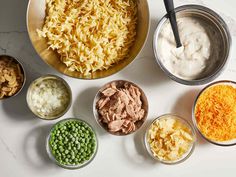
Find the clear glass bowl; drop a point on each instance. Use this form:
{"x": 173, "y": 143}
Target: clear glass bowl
{"x": 71, "y": 167}
{"x": 185, "y": 155}
{"x": 219, "y": 143}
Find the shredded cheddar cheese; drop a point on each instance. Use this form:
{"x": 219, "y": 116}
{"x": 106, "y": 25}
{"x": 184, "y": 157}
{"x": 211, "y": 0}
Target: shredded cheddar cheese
{"x": 215, "y": 113}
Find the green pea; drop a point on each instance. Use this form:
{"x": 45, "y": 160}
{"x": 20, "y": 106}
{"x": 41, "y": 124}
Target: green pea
{"x": 76, "y": 142}
{"x": 72, "y": 142}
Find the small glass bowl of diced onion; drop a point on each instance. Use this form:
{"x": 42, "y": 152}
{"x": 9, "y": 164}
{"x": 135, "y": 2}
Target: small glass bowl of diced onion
{"x": 170, "y": 139}
{"x": 49, "y": 97}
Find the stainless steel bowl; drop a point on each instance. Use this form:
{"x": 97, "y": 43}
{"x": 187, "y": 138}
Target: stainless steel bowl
{"x": 34, "y": 84}
{"x": 219, "y": 143}
{"x": 120, "y": 83}
{"x": 70, "y": 167}
{"x": 35, "y": 20}
{"x": 187, "y": 154}
{"x": 210, "y": 17}
{"x": 22, "y": 70}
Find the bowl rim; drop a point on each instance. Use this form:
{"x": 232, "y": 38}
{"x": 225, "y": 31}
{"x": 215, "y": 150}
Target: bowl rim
{"x": 206, "y": 79}
{"x": 16, "y": 60}
{"x": 193, "y": 112}
{"x": 44, "y": 77}
{"x": 70, "y": 167}
{"x": 186, "y": 155}
{"x": 96, "y": 115}
{"x": 102, "y": 77}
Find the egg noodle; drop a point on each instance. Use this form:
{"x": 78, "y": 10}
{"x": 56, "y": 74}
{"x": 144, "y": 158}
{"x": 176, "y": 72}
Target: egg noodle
{"x": 90, "y": 35}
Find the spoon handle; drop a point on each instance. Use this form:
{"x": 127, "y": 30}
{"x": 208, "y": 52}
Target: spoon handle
{"x": 169, "y": 5}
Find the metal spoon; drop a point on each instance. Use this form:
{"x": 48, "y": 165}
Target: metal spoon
{"x": 169, "y": 5}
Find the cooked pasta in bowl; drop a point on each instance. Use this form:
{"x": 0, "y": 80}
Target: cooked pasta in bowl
{"x": 88, "y": 39}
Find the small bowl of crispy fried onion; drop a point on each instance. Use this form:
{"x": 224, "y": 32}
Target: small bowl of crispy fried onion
{"x": 12, "y": 77}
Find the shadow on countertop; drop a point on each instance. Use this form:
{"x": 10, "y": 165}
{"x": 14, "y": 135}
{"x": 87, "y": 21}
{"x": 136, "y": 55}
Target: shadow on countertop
{"x": 16, "y": 107}
{"x": 34, "y": 149}
{"x": 145, "y": 70}
{"x": 141, "y": 156}
{"x": 183, "y": 107}
{"x": 83, "y": 108}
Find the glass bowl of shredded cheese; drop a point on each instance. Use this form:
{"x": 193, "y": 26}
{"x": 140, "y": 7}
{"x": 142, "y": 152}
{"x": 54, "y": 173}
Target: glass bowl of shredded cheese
{"x": 49, "y": 97}
{"x": 170, "y": 139}
{"x": 214, "y": 113}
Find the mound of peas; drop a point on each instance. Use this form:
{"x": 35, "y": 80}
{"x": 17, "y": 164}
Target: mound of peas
{"x": 72, "y": 142}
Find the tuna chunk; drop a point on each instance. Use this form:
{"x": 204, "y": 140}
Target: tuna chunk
{"x": 115, "y": 125}
{"x": 123, "y": 97}
{"x": 130, "y": 110}
{"x": 102, "y": 102}
{"x": 128, "y": 126}
{"x": 109, "y": 92}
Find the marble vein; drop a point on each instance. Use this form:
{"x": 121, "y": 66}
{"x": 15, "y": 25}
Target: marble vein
{"x": 4, "y": 50}
{"x": 232, "y": 70}
{"x": 9, "y": 32}
{"x": 7, "y": 148}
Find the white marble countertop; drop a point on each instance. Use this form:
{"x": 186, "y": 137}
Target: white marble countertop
{"x": 22, "y": 136}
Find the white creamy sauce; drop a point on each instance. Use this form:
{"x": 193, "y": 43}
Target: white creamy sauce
{"x": 192, "y": 59}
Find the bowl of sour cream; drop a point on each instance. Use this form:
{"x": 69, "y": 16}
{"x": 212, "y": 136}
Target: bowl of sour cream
{"x": 206, "y": 44}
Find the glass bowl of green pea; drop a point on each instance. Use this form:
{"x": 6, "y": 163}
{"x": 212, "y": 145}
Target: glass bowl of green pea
{"x": 72, "y": 143}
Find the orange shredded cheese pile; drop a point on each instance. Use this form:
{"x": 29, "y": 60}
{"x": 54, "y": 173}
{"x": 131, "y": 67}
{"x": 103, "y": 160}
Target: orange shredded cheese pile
{"x": 215, "y": 113}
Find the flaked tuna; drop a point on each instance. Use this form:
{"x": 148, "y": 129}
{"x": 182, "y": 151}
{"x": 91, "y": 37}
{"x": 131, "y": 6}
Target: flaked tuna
{"x": 120, "y": 108}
